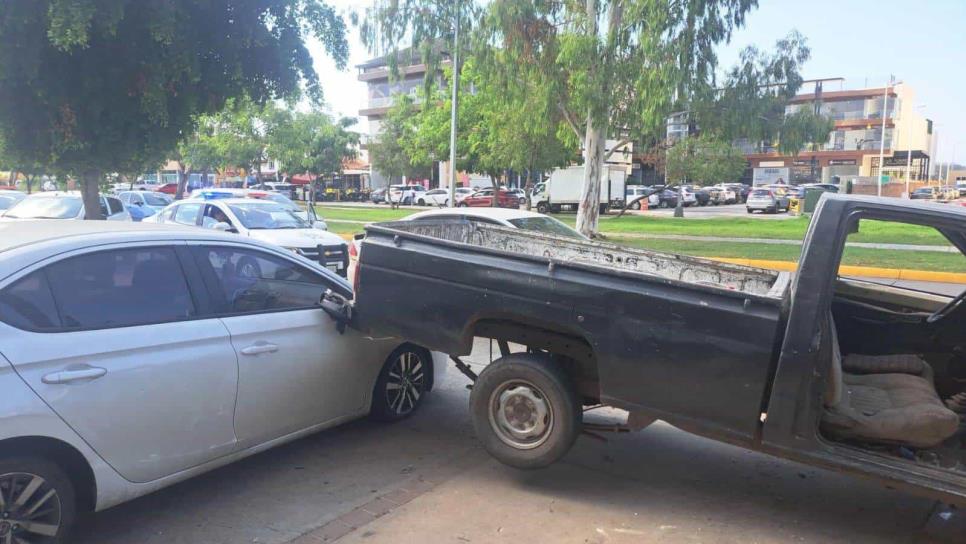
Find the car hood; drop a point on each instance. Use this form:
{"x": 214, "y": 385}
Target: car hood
{"x": 297, "y": 237}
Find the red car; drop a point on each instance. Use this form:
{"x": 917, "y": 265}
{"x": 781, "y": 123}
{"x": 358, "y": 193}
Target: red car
{"x": 484, "y": 198}
{"x": 168, "y": 188}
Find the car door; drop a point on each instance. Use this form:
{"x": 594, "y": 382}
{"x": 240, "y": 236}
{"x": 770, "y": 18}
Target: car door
{"x": 295, "y": 369}
{"x": 117, "y": 344}
{"x": 186, "y": 214}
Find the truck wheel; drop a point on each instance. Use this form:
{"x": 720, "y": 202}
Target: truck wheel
{"x": 542, "y": 207}
{"x": 402, "y": 384}
{"x": 40, "y": 501}
{"x": 525, "y": 411}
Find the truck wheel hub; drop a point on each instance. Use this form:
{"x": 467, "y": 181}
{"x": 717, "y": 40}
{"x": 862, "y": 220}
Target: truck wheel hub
{"x": 521, "y": 415}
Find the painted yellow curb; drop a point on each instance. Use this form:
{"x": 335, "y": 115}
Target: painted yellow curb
{"x": 867, "y": 271}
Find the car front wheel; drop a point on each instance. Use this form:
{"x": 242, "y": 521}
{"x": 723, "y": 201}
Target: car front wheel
{"x": 38, "y": 505}
{"x": 402, "y": 384}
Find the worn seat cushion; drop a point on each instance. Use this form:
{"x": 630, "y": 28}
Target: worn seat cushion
{"x": 891, "y": 408}
{"x": 886, "y": 364}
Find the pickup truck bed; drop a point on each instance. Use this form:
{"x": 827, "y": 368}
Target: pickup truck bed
{"x": 686, "y": 339}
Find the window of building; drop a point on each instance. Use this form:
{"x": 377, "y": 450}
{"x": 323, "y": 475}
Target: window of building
{"x": 120, "y": 288}
{"x": 245, "y": 281}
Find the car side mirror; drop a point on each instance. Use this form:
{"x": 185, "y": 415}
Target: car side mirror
{"x": 221, "y": 226}
{"x": 338, "y": 308}
{"x": 319, "y": 224}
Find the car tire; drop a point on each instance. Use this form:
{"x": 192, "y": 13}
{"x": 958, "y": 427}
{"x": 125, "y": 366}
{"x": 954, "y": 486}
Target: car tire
{"x": 542, "y": 207}
{"x": 636, "y": 205}
{"x": 662, "y": 204}
{"x": 750, "y": 210}
{"x": 403, "y": 383}
{"x": 534, "y": 388}
{"x": 421, "y": 202}
{"x": 462, "y": 205}
{"x": 57, "y": 516}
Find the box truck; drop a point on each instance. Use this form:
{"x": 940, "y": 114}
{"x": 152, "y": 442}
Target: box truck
{"x": 562, "y": 190}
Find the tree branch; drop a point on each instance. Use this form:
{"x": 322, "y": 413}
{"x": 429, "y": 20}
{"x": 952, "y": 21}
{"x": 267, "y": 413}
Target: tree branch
{"x": 618, "y": 145}
{"x": 570, "y": 121}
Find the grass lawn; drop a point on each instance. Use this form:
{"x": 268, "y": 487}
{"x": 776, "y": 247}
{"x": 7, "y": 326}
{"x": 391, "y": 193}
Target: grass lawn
{"x": 913, "y": 260}
{"x": 733, "y": 227}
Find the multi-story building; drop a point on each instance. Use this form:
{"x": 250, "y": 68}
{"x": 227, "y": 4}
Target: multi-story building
{"x": 384, "y": 86}
{"x": 853, "y": 147}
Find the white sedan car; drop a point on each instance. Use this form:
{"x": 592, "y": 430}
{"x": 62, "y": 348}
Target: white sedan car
{"x": 506, "y": 217}
{"x": 139, "y": 355}
{"x": 437, "y": 197}
{"x": 63, "y": 205}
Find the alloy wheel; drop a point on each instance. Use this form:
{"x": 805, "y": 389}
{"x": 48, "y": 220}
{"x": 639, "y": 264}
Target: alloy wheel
{"x": 30, "y": 509}
{"x": 406, "y": 383}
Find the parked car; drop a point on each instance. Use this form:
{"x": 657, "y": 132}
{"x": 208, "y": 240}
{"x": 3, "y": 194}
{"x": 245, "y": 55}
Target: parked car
{"x": 437, "y": 197}
{"x": 767, "y": 200}
{"x": 143, "y": 204}
{"x": 716, "y": 195}
{"x": 463, "y": 192}
{"x": 263, "y": 220}
{"x": 485, "y": 198}
{"x": 925, "y": 193}
{"x": 728, "y": 193}
{"x": 701, "y": 196}
{"x": 168, "y": 188}
{"x": 830, "y": 187}
{"x": 137, "y": 358}
{"x": 504, "y": 217}
{"x": 961, "y": 187}
{"x": 948, "y": 192}
{"x": 520, "y": 194}
{"x": 378, "y": 196}
{"x": 663, "y": 198}
{"x": 633, "y": 193}
{"x": 8, "y": 198}
{"x": 852, "y": 375}
{"x": 63, "y": 205}
{"x": 741, "y": 191}
{"x": 407, "y": 194}
{"x": 686, "y": 194}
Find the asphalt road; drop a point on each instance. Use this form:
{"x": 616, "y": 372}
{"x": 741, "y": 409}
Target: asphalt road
{"x": 430, "y": 482}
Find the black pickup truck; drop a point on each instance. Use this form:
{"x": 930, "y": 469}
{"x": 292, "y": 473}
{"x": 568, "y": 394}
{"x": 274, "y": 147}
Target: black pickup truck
{"x": 816, "y": 366}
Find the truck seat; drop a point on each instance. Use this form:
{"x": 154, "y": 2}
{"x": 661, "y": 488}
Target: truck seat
{"x": 887, "y": 399}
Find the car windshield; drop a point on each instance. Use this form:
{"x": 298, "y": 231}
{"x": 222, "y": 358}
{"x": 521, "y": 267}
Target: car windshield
{"x": 7, "y": 201}
{"x": 761, "y": 192}
{"x": 265, "y": 216}
{"x": 152, "y": 199}
{"x": 546, "y": 225}
{"x": 283, "y": 200}
{"x": 48, "y": 207}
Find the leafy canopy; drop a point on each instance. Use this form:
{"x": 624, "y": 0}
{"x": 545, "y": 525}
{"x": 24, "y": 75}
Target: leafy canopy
{"x": 110, "y": 85}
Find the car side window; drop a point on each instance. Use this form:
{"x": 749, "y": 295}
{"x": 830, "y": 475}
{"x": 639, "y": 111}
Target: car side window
{"x": 104, "y": 209}
{"x": 114, "y": 205}
{"x": 244, "y": 281}
{"x": 187, "y": 214}
{"x": 28, "y": 304}
{"x": 125, "y": 198}
{"x": 120, "y": 288}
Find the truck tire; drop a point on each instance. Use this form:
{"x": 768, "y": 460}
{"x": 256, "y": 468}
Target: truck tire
{"x": 55, "y": 514}
{"x": 525, "y": 411}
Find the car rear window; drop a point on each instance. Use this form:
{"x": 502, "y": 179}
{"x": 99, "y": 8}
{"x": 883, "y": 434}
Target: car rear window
{"x": 760, "y": 192}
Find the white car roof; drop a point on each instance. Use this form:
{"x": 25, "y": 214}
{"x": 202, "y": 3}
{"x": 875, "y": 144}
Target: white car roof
{"x": 499, "y": 214}
{"x": 51, "y": 194}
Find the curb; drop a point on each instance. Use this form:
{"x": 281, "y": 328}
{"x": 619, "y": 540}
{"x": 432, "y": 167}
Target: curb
{"x": 866, "y": 271}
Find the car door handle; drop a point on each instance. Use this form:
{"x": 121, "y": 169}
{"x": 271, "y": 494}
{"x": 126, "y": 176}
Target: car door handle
{"x": 69, "y": 376}
{"x": 259, "y": 347}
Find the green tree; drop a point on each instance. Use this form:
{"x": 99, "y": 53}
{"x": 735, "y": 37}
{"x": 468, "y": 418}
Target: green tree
{"x": 311, "y": 142}
{"x": 615, "y": 67}
{"x": 389, "y": 150}
{"x": 704, "y": 160}
{"x": 95, "y": 86}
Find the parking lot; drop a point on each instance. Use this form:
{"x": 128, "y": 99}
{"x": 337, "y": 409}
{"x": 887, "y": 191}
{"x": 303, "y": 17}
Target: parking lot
{"x": 368, "y": 482}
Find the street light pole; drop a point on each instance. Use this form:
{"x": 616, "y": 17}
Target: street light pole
{"x": 885, "y": 112}
{"x": 452, "y": 125}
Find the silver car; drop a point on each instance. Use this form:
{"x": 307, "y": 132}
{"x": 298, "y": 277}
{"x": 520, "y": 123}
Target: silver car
{"x": 135, "y": 356}
{"x": 767, "y": 200}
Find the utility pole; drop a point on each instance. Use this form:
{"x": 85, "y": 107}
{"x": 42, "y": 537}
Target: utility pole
{"x": 885, "y": 112}
{"x": 452, "y": 122}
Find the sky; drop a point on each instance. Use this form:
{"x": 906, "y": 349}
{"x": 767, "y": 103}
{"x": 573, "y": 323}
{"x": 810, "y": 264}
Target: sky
{"x": 864, "y": 41}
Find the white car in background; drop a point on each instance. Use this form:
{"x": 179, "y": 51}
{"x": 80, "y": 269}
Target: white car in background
{"x": 463, "y": 192}
{"x": 63, "y": 205}
{"x": 9, "y": 198}
{"x": 505, "y": 217}
{"x": 437, "y": 197}
{"x": 307, "y": 213}
{"x": 138, "y": 356}
{"x": 263, "y": 220}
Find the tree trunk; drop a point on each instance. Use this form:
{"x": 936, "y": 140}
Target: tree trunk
{"x": 29, "y": 182}
{"x": 12, "y": 178}
{"x": 588, "y": 211}
{"x": 91, "y": 195}
{"x": 182, "y": 182}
